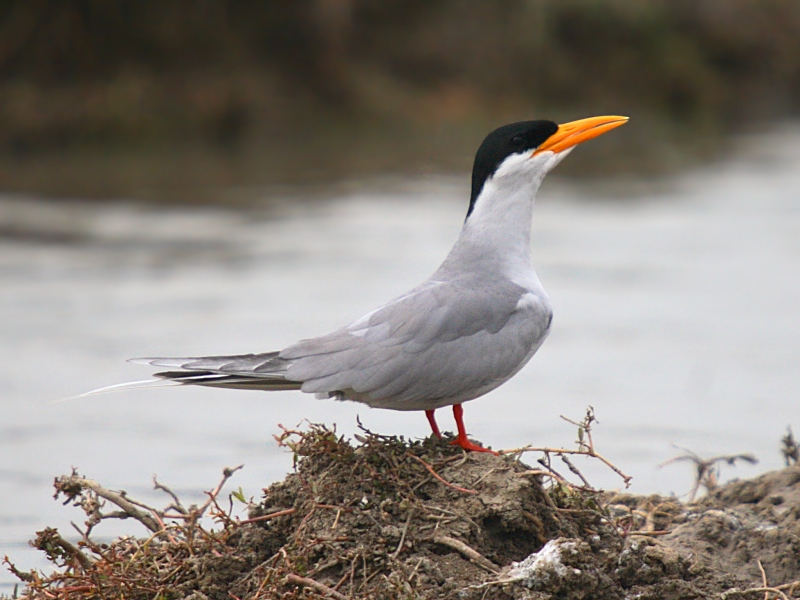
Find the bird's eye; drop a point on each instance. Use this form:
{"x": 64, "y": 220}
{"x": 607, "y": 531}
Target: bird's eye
{"x": 517, "y": 140}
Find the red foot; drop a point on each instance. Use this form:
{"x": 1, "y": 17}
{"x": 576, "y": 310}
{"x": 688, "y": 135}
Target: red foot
{"x": 432, "y": 421}
{"x": 462, "y": 439}
{"x": 470, "y": 447}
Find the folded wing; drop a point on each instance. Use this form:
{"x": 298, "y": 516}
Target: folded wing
{"x": 439, "y": 344}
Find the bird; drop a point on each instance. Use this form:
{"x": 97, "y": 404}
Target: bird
{"x": 458, "y": 335}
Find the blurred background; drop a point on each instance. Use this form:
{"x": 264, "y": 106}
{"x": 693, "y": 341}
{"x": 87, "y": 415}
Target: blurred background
{"x": 223, "y": 177}
{"x": 169, "y": 102}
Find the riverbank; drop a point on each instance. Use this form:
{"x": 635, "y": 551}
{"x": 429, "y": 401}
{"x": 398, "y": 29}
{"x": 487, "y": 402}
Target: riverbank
{"x": 153, "y": 101}
{"x": 386, "y": 518}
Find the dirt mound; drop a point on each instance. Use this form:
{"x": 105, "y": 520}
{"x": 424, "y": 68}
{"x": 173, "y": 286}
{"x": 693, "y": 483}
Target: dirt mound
{"x": 746, "y": 523}
{"x": 393, "y": 519}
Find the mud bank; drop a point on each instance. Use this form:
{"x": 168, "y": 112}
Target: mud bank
{"x": 387, "y": 518}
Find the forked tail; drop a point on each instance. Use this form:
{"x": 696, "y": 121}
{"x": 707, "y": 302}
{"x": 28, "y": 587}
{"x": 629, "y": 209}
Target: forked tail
{"x": 266, "y": 371}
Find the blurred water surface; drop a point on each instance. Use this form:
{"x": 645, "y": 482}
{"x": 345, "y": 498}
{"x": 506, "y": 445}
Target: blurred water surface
{"x": 677, "y": 316}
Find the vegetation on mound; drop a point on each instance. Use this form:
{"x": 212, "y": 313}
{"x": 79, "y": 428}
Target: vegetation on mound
{"x": 389, "y": 518}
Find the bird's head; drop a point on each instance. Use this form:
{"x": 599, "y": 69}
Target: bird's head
{"x": 527, "y": 151}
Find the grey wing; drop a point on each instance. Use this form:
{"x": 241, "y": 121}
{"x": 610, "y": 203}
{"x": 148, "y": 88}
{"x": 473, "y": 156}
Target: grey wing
{"x": 439, "y": 344}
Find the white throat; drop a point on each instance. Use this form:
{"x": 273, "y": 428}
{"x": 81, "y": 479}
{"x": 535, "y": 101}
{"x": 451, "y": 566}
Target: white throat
{"x": 497, "y": 233}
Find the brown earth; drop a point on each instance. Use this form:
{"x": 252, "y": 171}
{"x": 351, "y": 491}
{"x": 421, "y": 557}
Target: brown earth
{"x": 393, "y": 519}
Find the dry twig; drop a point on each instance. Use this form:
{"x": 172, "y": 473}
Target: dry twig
{"x": 73, "y": 486}
{"x": 790, "y": 448}
{"x": 439, "y": 477}
{"x": 227, "y": 473}
{"x": 320, "y": 587}
{"x": 733, "y": 592}
{"x": 585, "y": 448}
{"x": 280, "y": 513}
{"x": 707, "y": 470}
{"x": 51, "y": 542}
{"x": 468, "y": 552}
{"x": 403, "y": 535}
{"x": 176, "y": 503}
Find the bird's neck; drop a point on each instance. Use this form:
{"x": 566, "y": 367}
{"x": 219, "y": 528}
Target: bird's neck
{"x": 497, "y": 233}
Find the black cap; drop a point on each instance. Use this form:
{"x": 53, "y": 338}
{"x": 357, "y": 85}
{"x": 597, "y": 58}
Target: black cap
{"x": 502, "y": 143}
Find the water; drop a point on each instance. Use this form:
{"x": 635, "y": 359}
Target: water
{"x": 677, "y": 318}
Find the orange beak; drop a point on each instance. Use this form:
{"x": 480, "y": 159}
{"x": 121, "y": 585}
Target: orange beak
{"x": 573, "y": 133}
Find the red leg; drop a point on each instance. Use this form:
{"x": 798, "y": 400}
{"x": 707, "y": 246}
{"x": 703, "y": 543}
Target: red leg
{"x": 462, "y": 440}
{"x": 432, "y": 421}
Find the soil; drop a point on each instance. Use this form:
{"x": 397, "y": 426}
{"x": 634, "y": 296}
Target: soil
{"x": 386, "y": 519}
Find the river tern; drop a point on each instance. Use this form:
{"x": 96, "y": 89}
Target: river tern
{"x": 459, "y": 334}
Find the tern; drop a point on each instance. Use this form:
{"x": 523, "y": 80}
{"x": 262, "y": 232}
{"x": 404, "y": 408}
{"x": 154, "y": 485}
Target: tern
{"x": 461, "y": 333}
